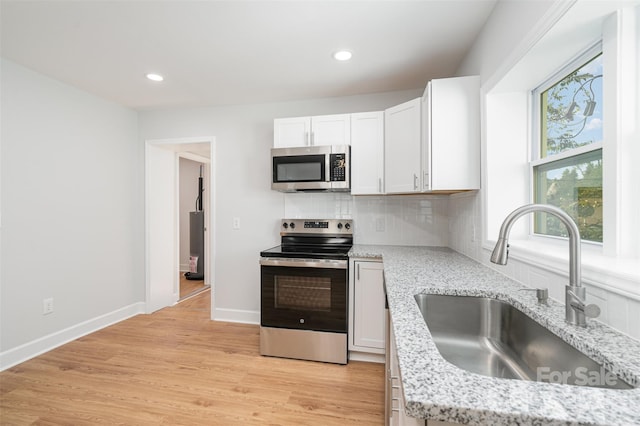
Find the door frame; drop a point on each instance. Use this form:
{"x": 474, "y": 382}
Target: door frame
{"x": 179, "y": 146}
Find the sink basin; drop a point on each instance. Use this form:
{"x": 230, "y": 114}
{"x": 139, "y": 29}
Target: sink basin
{"x": 492, "y": 338}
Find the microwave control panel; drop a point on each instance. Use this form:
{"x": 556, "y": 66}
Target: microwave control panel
{"x": 338, "y": 167}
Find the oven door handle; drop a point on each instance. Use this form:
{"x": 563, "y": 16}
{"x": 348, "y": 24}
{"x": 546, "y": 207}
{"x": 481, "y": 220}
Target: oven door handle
{"x": 304, "y": 263}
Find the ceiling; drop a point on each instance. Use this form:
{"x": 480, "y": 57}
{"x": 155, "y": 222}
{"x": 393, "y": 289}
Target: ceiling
{"x": 239, "y": 52}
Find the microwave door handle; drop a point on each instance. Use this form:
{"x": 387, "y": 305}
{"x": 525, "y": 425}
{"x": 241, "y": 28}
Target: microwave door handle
{"x": 327, "y": 166}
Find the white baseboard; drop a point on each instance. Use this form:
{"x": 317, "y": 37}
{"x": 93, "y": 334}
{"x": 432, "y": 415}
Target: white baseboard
{"x": 236, "y": 315}
{"x": 366, "y": 357}
{"x": 44, "y": 344}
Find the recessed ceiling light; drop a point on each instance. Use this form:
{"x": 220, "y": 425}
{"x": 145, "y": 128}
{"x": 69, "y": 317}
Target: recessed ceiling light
{"x": 342, "y": 55}
{"x": 155, "y": 77}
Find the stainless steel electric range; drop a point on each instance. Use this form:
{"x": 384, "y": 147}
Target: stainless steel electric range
{"x": 304, "y": 291}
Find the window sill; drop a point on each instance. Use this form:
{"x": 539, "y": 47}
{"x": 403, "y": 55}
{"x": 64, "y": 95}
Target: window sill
{"x": 616, "y": 275}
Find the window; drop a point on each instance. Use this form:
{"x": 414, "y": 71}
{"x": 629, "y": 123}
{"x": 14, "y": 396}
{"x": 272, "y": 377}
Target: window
{"x": 567, "y": 160}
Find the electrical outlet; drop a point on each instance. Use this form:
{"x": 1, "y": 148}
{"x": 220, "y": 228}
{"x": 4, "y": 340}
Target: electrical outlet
{"x": 47, "y": 306}
{"x": 236, "y": 223}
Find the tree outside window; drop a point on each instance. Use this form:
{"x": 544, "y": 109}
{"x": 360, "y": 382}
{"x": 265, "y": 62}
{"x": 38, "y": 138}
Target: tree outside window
{"x": 568, "y": 173}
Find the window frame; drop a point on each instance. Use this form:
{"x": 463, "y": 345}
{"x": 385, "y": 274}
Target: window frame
{"x": 535, "y": 160}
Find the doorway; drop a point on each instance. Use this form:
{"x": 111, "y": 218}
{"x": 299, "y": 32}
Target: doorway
{"x": 162, "y": 218}
{"x": 192, "y": 197}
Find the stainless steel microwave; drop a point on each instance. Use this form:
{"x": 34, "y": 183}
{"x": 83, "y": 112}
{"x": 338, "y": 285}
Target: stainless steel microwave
{"x": 314, "y": 168}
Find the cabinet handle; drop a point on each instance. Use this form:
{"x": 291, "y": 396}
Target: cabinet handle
{"x": 358, "y": 272}
{"x": 415, "y": 181}
{"x": 380, "y": 185}
{"x": 426, "y": 180}
{"x": 307, "y": 137}
{"x": 312, "y": 137}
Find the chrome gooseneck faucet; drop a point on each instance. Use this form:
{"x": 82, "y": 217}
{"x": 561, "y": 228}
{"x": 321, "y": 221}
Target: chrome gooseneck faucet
{"x": 576, "y": 309}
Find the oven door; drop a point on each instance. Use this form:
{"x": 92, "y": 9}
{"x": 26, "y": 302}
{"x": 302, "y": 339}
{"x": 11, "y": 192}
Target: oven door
{"x": 305, "y": 294}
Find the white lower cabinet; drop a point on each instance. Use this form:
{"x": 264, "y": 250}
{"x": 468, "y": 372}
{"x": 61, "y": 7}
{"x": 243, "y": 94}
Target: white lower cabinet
{"x": 367, "y": 307}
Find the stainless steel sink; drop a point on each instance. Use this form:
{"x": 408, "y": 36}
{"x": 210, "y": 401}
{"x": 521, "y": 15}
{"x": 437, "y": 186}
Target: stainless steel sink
{"x": 491, "y": 337}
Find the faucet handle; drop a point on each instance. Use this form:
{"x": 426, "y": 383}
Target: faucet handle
{"x": 592, "y": 311}
{"x": 576, "y": 301}
{"x": 541, "y": 293}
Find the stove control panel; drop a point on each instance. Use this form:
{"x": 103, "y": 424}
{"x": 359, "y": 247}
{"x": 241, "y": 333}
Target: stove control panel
{"x": 317, "y": 226}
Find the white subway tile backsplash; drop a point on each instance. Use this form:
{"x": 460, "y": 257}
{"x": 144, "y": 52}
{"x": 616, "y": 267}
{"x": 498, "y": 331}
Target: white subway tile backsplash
{"x": 634, "y": 319}
{"x": 317, "y": 205}
{"x": 386, "y": 220}
{"x": 401, "y": 220}
{"x": 618, "y": 314}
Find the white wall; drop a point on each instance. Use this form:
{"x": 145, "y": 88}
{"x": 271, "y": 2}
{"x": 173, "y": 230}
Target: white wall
{"x": 244, "y": 135}
{"x": 509, "y": 29}
{"x": 72, "y": 213}
{"x": 513, "y": 28}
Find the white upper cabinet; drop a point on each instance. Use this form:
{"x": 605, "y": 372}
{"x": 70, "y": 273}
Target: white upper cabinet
{"x": 367, "y": 153}
{"x": 291, "y": 132}
{"x": 331, "y": 129}
{"x": 433, "y": 143}
{"x": 402, "y": 147}
{"x": 428, "y": 144}
{"x": 310, "y": 131}
{"x": 451, "y": 134}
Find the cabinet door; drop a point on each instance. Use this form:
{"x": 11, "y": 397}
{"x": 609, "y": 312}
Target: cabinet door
{"x": 426, "y": 138}
{"x": 291, "y": 132}
{"x": 331, "y": 129}
{"x": 455, "y": 133}
{"x": 368, "y": 326}
{"x": 367, "y": 153}
{"x": 402, "y": 147}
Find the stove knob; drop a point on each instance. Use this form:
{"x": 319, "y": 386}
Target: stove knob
{"x": 347, "y": 226}
{"x": 285, "y": 225}
{"x": 292, "y": 225}
{"x": 339, "y": 225}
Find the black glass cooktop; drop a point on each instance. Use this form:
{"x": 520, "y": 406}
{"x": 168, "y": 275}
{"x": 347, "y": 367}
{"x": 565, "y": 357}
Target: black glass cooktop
{"x": 311, "y": 248}
{"x": 307, "y": 252}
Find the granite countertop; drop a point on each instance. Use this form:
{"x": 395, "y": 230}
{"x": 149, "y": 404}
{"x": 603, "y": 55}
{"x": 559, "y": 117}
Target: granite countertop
{"x": 437, "y": 390}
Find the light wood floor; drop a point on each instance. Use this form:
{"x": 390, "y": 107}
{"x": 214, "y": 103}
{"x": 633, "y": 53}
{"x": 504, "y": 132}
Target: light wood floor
{"x": 190, "y": 287}
{"x": 176, "y": 367}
